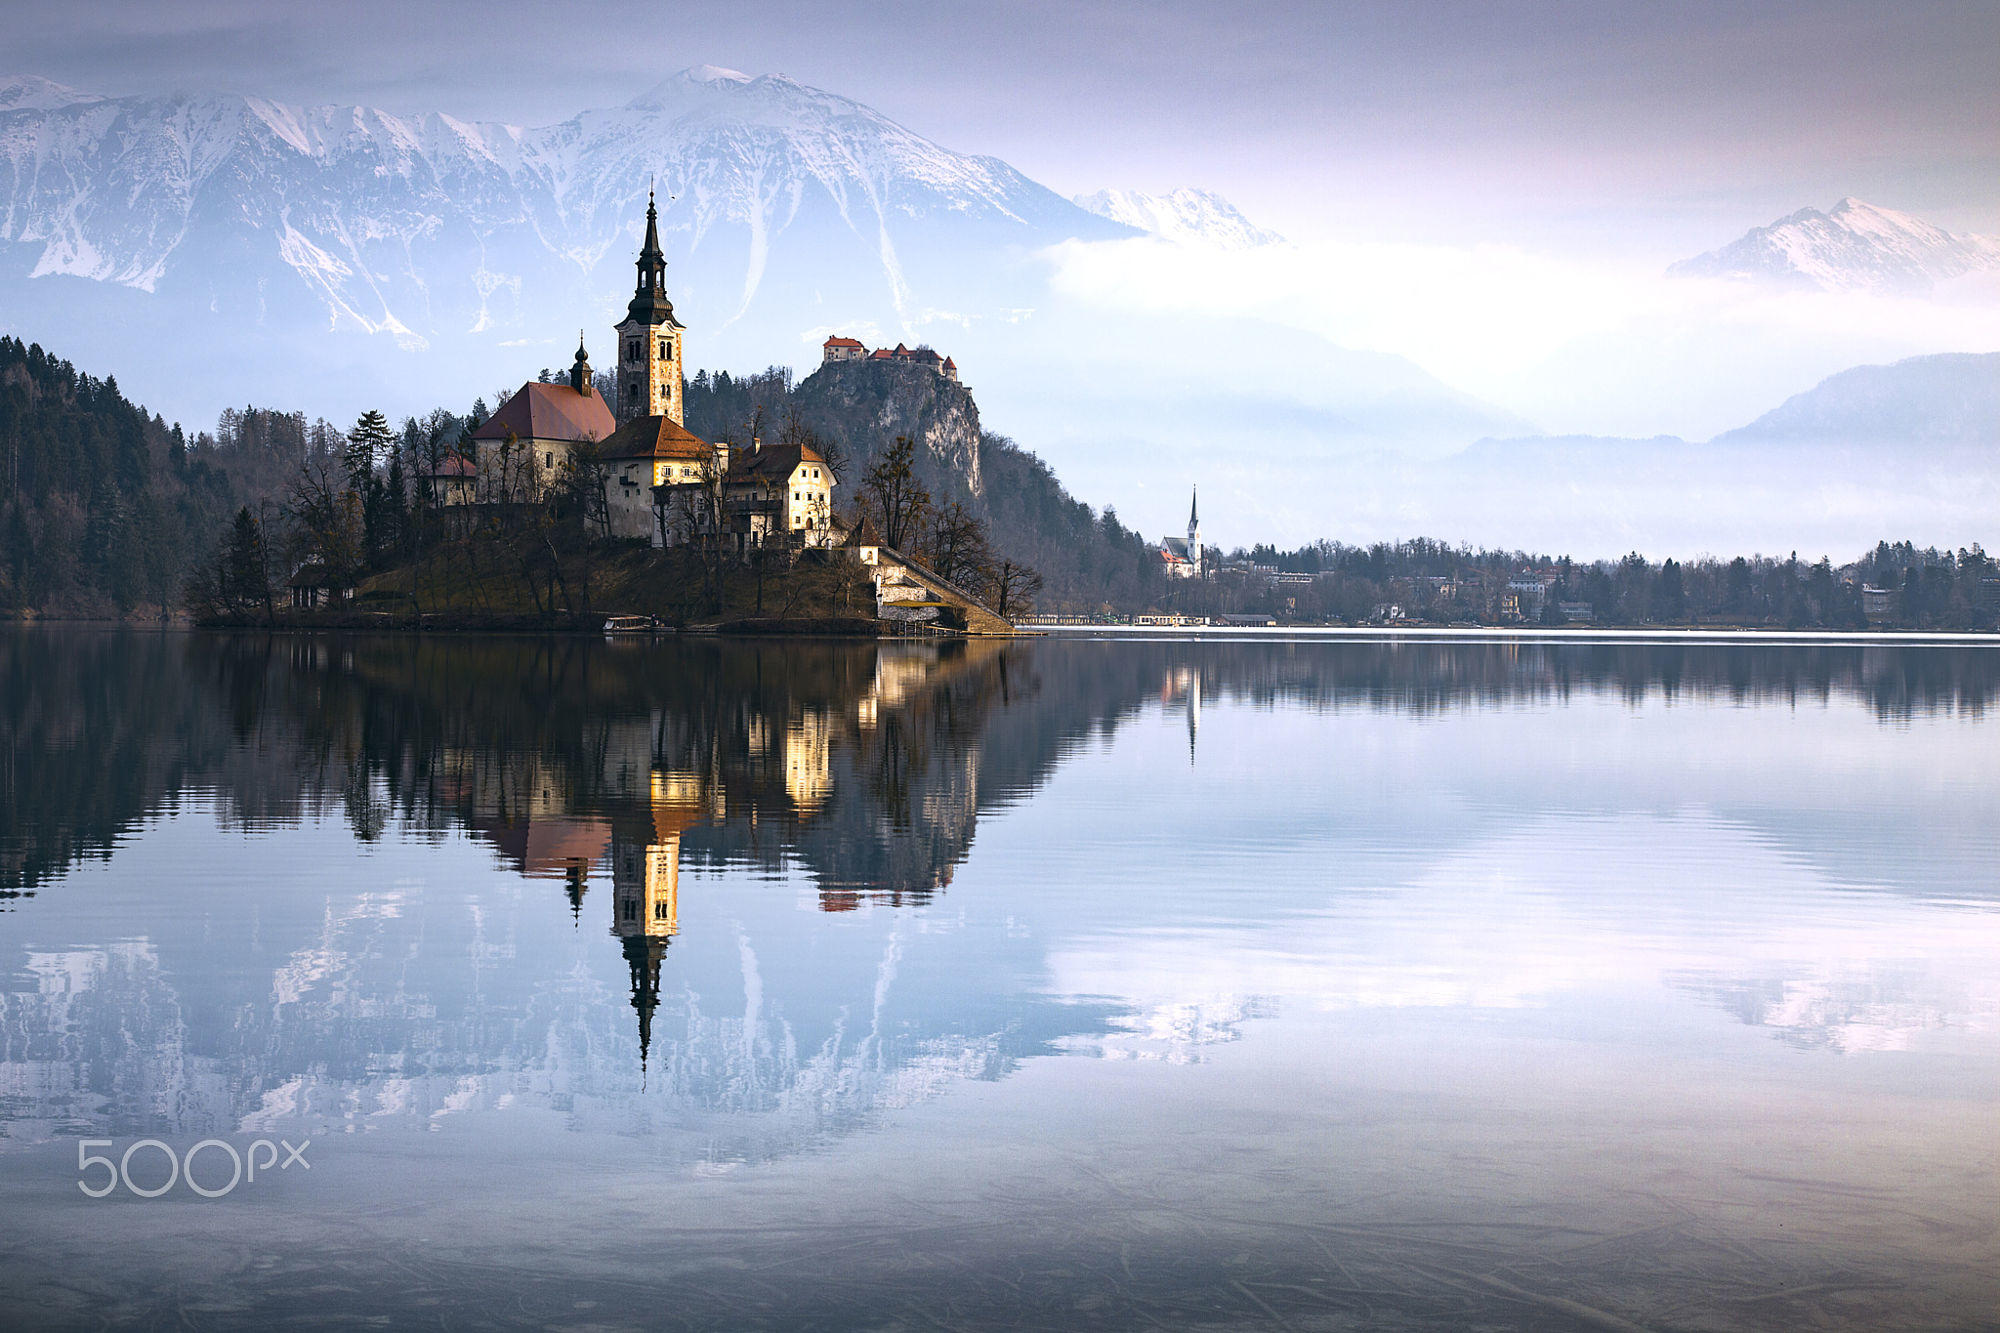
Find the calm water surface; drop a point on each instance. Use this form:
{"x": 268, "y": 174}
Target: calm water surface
{"x": 1056, "y": 984}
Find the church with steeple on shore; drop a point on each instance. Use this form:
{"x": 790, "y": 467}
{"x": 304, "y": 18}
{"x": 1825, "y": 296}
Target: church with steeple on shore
{"x": 659, "y": 480}
{"x": 659, "y": 477}
{"x": 1183, "y": 558}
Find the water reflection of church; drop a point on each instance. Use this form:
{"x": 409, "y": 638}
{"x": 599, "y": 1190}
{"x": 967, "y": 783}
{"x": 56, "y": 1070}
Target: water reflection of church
{"x": 807, "y": 782}
{"x": 646, "y": 884}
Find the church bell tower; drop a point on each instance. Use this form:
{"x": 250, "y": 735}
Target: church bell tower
{"x": 1194, "y": 530}
{"x": 649, "y": 339}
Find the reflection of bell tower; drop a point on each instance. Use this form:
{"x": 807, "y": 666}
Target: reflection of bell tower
{"x": 645, "y": 907}
{"x": 643, "y": 955}
{"x": 646, "y": 887}
{"x": 578, "y": 881}
{"x": 1193, "y": 714}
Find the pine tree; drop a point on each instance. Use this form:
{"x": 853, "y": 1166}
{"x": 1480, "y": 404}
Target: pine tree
{"x": 367, "y": 443}
{"x": 244, "y": 582}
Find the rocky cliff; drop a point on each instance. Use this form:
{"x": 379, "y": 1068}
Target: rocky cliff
{"x": 866, "y": 405}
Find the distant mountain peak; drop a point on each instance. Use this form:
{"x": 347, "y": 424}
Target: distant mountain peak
{"x": 1857, "y": 246}
{"x": 714, "y": 74}
{"x": 1186, "y": 216}
{"x": 30, "y": 92}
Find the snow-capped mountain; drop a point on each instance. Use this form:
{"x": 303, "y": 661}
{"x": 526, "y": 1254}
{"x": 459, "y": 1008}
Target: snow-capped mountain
{"x": 253, "y": 227}
{"x": 1857, "y": 246}
{"x": 1187, "y": 217}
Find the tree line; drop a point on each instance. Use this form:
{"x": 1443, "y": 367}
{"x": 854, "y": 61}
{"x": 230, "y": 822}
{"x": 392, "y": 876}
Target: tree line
{"x": 1895, "y": 585}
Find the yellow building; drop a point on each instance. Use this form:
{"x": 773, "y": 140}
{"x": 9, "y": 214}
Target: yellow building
{"x": 780, "y": 491}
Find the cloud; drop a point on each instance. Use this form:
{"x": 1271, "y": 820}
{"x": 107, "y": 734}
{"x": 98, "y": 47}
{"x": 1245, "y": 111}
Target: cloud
{"x": 1573, "y": 344}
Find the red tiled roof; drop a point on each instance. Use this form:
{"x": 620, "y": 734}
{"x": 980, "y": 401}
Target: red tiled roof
{"x": 456, "y": 465}
{"x": 549, "y": 412}
{"x": 654, "y": 437}
{"x": 881, "y": 354}
{"x": 842, "y": 342}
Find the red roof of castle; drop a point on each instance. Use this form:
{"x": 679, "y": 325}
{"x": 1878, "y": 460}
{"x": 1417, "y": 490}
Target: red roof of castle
{"x": 838, "y": 341}
{"x": 549, "y": 412}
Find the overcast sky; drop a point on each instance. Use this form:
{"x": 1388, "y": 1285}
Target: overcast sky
{"x": 1657, "y": 127}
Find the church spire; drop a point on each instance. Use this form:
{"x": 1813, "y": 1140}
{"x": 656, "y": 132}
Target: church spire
{"x": 650, "y": 383}
{"x": 649, "y": 298}
{"x": 579, "y": 373}
{"x": 1194, "y": 530}
{"x": 642, "y": 957}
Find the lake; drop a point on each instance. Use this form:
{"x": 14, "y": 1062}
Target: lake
{"x": 1053, "y": 983}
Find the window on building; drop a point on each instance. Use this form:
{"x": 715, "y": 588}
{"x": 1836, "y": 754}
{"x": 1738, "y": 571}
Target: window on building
{"x": 548, "y": 459}
{"x": 666, "y": 349}
{"x": 659, "y": 911}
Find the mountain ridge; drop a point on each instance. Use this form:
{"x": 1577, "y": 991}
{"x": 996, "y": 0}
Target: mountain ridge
{"x": 1855, "y": 246}
{"x": 1185, "y": 216}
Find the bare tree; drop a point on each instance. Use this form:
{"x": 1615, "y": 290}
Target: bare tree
{"x": 794, "y": 431}
{"x": 326, "y": 517}
{"x": 954, "y": 545}
{"x": 1011, "y": 588}
{"x": 893, "y": 497}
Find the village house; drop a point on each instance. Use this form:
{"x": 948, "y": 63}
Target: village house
{"x": 642, "y": 458}
{"x": 777, "y": 493}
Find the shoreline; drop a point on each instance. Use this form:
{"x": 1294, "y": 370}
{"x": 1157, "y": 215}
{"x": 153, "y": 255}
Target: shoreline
{"x": 1708, "y": 637}
{"x": 1527, "y": 634}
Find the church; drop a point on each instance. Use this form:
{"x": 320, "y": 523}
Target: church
{"x": 660, "y": 482}
{"x": 1183, "y": 558}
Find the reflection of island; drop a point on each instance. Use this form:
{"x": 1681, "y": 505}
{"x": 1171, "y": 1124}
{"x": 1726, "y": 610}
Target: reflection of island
{"x": 668, "y": 785}
{"x": 612, "y": 773}
{"x": 102, "y": 729}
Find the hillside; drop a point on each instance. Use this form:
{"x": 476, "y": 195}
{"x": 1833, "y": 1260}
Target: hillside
{"x": 102, "y": 507}
{"x": 861, "y": 407}
{"x": 1950, "y": 399}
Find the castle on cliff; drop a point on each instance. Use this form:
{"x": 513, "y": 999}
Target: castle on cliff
{"x": 838, "y": 348}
